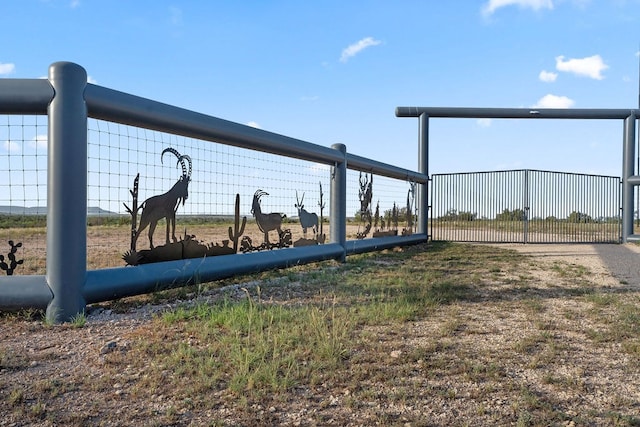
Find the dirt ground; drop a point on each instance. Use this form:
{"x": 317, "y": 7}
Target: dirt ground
{"x": 53, "y": 360}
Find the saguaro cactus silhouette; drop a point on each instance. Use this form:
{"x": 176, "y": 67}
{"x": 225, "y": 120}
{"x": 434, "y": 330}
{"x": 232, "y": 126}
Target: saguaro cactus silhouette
{"x": 237, "y": 230}
{"x": 133, "y": 211}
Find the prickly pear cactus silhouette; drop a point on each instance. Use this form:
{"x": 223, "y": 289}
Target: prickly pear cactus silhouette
{"x": 13, "y": 262}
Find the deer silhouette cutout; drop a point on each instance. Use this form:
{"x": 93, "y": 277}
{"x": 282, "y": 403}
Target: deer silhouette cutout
{"x": 166, "y": 205}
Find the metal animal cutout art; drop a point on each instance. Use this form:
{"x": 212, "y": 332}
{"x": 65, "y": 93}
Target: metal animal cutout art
{"x": 390, "y": 219}
{"x": 307, "y": 220}
{"x": 321, "y": 237}
{"x": 266, "y": 222}
{"x": 190, "y": 247}
{"x": 166, "y": 205}
{"x": 13, "y": 262}
{"x": 365, "y": 194}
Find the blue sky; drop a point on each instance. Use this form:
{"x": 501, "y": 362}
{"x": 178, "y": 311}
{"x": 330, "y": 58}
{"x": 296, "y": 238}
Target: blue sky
{"x": 334, "y": 71}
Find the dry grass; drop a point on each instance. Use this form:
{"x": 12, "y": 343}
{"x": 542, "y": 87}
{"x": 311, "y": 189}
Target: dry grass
{"x": 439, "y": 334}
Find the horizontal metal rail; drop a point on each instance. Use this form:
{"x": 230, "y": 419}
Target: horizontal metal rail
{"x": 367, "y": 165}
{"x": 25, "y": 96}
{"x": 517, "y": 113}
{"x": 380, "y": 243}
{"x": 112, "y": 105}
{"x": 112, "y": 283}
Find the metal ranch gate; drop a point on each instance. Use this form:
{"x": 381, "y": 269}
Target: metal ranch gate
{"x": 526, "y": 206}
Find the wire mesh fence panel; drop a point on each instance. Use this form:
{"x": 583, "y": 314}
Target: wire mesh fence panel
{"x": 525, "y": 206}
{"x": 125, "y": 160}
{"x": 23, "y": 194}
{"x": 378, "y": 206}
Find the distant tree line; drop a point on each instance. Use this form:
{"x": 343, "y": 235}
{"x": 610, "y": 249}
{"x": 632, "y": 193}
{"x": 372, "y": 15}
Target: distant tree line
{"x": 574, "y": 217}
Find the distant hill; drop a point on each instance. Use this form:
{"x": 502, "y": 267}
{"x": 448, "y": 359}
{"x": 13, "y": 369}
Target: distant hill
{"x": 42, "y": 210}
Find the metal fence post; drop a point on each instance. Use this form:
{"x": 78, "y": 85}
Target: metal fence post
{"x": 67, "y": 192}
{"x": 627, "y": 172}
{"x": 338, "y": 224}
{"x": 423, "y": 167}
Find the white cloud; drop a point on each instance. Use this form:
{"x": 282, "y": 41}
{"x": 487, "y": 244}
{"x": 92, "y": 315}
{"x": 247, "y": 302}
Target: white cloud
{"x": 310, "y": 98}
{"x": 554, "y": 101}
{"x": 591, "y": 66}
{"x": 492, "y": 5}
{"x": 74, "y": 4}
{"x": 254, "y": 125}
{"x": 175, "y": 16}
{"x": 484, "y": 123}
{"x": 91, "y": 80}
{"x": 39, "y": 142}
{"x": 7, "y": 68}
{"x": 547, "y": 76}
{"x": 11, "y": 146}
{"x": 358, "y": 47}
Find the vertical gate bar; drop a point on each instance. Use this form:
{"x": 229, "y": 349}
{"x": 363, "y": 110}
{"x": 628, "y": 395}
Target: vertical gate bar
{"x": 495, "y": 185}
{"x": 468, "y": 204}
{"x": 432, "y": 207}
{"x": 461, "y": 203}
{"x": 585, "y": 202}
{"x": 338, "y": 209}
{"x": 494, "y": 216}
{"x": 515, "y": 203}
{"x": 593, "y": 207}
{"x": 436, "y": 206}
{"x": 619, "y": 191}
{"x": 590, "y": 212}
{"x": 460, "y": 183}
{"x": 533, "y": 176}
{"x": 549, "y": 221}
{"x": 533, "y": 228}
{"x": 67, "y": 192}
{"x": 566, "y": 191}
{"x": 540, "y": 194}
{"x": 514, "y": 185}
{"x": 572, "y": 206}
{"x": 526, "y": 205}
{"x": 482, "y": 213}
{"x": 627, "y": 171}
{"x": 554, "y": 212}
{"x": 453, "y": 181}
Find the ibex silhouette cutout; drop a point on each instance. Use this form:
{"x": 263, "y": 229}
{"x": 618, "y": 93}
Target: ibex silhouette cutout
{"x": 266, "y": 222}
{"x": 166, "y": 205}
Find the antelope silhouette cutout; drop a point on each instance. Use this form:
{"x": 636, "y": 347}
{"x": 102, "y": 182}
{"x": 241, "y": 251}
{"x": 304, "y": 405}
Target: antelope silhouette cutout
{"x": 307, "y": 220}
{"x": 166, "y": 205}
{"x": 266, "y": 222}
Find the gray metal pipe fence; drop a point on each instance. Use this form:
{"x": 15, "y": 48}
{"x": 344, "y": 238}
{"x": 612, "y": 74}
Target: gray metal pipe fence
{"x": 68, "y": 285}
